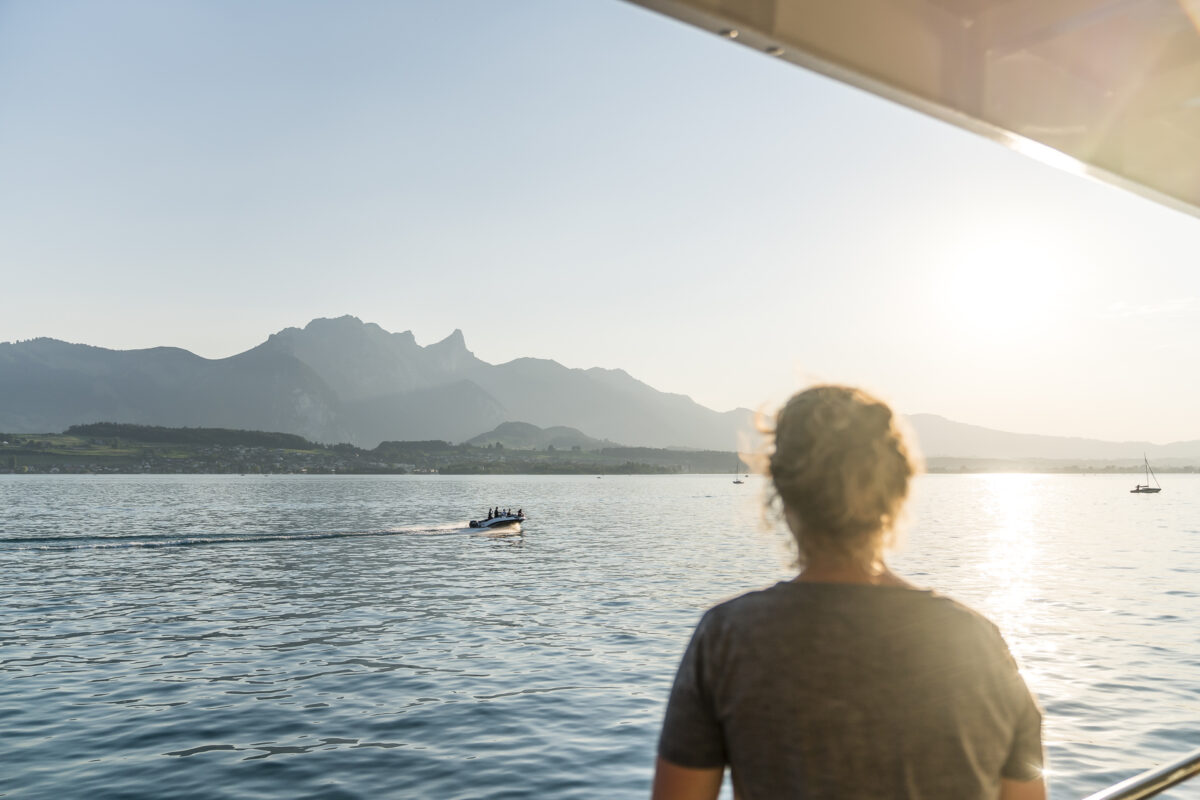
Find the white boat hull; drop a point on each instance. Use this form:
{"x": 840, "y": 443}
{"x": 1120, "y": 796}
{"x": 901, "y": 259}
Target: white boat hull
{"x": 498, "y": 522}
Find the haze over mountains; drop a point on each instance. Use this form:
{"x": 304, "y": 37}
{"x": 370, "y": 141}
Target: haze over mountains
{"x": 343, "y": 380}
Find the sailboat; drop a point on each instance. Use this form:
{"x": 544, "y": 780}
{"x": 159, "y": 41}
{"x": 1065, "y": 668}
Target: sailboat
{"x": 736, "y": 463}
{"x": 1146, "y": 488}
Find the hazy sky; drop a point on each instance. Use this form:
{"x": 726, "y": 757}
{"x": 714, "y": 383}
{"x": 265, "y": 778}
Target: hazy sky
{"x": 583, "y": 181}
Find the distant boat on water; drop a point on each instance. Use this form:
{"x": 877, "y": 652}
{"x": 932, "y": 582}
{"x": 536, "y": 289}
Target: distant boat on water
{"x": 502, "y": 519}
{"x": 1146, "y": 488}
{"x": 737, "y": 463}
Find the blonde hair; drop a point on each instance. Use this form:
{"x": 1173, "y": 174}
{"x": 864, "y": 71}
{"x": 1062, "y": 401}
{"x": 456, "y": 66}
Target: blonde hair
{"x": 841, "y": 466}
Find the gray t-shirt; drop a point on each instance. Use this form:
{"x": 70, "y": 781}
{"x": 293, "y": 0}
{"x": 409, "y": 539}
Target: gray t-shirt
{"x": 828, "y": 690}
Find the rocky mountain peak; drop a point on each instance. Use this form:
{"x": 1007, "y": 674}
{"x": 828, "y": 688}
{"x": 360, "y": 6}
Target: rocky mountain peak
{"x": 455, "y": 341}
{"x": 451, "y": 354}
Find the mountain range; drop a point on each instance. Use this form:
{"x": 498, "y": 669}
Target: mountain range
{"x": 344, "y": 380}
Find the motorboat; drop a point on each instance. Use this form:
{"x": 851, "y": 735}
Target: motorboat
{"x": 500, "y": 521}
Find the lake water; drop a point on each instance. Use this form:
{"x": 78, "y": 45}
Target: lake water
{"x": 305, "y": 636}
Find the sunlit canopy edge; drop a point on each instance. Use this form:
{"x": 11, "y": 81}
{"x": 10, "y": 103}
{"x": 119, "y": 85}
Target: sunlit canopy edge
{"x": 1104, "y": 88}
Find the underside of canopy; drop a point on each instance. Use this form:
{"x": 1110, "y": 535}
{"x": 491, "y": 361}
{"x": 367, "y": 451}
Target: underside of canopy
{"x": 1108, "y": 88}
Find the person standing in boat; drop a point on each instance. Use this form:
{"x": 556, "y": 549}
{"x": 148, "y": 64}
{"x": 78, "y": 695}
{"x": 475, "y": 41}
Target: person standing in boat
{"x": 847, "y": 681}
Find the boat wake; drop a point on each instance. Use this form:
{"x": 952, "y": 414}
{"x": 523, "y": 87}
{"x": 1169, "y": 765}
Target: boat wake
{"x": 150, "y": 541}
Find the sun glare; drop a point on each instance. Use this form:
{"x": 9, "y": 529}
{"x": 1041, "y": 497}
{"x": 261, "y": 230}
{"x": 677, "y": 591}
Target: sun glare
{"x": 999, "y": 290}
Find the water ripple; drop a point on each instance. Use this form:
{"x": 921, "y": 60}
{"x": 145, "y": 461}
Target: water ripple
{"x": 347, "y": 637}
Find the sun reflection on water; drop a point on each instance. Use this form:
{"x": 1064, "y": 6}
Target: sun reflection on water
{"x": 1009, "y": 506}
{"x": 1011, "y": 551}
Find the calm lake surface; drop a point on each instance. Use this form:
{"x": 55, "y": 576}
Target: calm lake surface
{"x": 304, "y": 636}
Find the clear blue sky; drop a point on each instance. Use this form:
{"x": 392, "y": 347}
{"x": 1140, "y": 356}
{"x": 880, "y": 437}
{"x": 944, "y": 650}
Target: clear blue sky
{"x": 583, "y": 181}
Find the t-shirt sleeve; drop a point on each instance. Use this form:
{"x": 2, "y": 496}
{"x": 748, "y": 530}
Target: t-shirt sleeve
{"x": 691, "y": 734}
{"x": 1025, "y": 758}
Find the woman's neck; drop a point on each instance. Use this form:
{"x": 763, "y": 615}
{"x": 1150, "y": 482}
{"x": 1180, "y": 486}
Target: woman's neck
{"x": 827, "y": 570}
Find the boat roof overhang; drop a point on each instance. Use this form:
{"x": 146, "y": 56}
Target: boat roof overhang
{"x": 1106, "y": 88}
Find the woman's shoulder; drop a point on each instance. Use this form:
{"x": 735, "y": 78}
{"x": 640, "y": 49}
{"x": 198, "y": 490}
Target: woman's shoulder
{"x": 755, "y": 600}
{"x": 961, "y": 615}
{"x": 746, "y": 606}
{"x": 887, "y": 603}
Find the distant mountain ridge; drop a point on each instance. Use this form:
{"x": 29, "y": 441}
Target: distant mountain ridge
{"x": 943, "y": 438}
{"x": 344, "y": 380}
